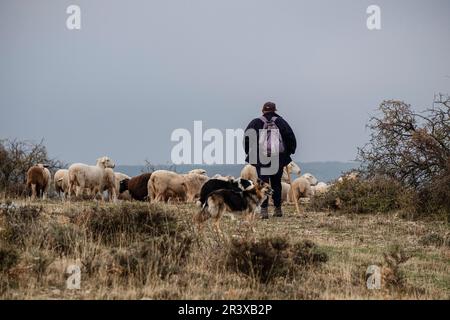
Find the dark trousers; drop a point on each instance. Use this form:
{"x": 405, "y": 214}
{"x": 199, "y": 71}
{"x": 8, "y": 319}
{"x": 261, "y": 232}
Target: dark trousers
{"x": 275, "y": 182}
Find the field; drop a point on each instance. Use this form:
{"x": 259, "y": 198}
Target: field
{"x": 141, "y": 251}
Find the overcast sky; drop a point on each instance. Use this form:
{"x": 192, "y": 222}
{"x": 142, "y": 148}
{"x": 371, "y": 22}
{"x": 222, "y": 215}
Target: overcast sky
{"x": 137, "y": 70}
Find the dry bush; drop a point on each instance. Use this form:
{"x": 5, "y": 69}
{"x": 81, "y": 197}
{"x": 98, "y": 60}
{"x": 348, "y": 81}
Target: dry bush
{"x": 16, "y": 157}
{"x": 152, "y": 241}
{"x": 414, "y": 149}
{"x": 393, "y": 276}
{"x": 374, "y": 195}
{"x": 159, "y": 256}
{"x": 21, "y": 224}
{"x": 434, "y": 239}
{"x": 63, "y": 239}
{"x": 434, "y": 198}
{"x": 128, "y": 222}
{"x": 9, "y": 257}
{"x": 269, "y": 258}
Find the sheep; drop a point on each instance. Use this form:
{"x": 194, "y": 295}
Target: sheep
{"x": 61, "y": 182}
{"x": 285, "y": 189}
{"x": 293, "y": 168}
{"x": 136, "y": 186}
{"x": 312, "y": 180}
{"x": 38, "y": 180}
{"x": 109, "y": 184}
{"x": 118, "y": 178}
{"x": 320, "y": 188}
{"x": 198, "y": 171}
{"x": 224, "y": 178}
{"x": 351, "y": 176}
{"x": 194, "y": 183}
{"x": 249, "y": 172}
{"x": 301, "y": 188}
{"x": 83, "y": 176}
{"x": 164, "y": 185}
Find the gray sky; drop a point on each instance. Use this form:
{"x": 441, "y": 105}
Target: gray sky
{"x": 137, "y": 70}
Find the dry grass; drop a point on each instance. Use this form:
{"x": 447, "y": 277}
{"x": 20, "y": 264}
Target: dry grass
{"x": 140, "y": 251}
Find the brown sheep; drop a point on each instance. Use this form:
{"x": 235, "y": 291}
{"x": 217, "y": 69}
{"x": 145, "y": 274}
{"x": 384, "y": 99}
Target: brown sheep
{"x": 136, "y": 186}
{"x": 38, "y": 181}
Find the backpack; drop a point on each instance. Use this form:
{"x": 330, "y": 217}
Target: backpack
{"x": 270, "y": 139}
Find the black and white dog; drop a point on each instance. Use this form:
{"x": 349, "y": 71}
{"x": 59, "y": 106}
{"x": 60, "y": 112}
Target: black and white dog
{"x": 232, "y": 199}
{"x": 235, "y": 185}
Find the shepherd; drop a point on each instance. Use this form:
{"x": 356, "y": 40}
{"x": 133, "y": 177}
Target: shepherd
{"x": 269, "y": 143}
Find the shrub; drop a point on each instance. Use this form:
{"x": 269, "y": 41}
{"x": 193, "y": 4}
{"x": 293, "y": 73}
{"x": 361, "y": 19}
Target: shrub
{"x": 434, "y": 239}
{"x": 161, "y": 256}
{"x": 306, "y": 253}
{"x": 268, "y": 258}
{"x": 40, "y": 261}
{"x": 393, "y": 276}
{"x": 9, "y": 257}
{"x": 63, "y": 238}
{"x": 414, "y": 149}
{"x": 375, "y": 195}
{"x": 20, "y": 223}
{"x": 16, "y": 157}
{"x": 128, "y": 221}
{"x": 434, "y": 198}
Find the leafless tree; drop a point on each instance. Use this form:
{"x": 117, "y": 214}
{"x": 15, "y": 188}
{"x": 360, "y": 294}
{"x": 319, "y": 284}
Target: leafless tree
{"x": 149, "y": 167}
{"x": 411, "y": 147}
{"x": 16, "y": 157}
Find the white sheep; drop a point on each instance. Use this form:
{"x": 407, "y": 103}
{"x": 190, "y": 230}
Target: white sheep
{"x": 198, "y": 171}
{"x": 83, "y": 176}
{"x": 224, "y": 178}
{"x": 320, "y": 188}
{"x": 249, "y": 172}
{"x": 61, "y": 180}
{"x": 312, "y": 180}
{"x": 301, "y": 188}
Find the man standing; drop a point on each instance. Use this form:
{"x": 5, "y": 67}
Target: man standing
{"x": 275, "y": 136}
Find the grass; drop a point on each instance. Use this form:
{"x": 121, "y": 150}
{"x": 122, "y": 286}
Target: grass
{"x": 141, "y": 251}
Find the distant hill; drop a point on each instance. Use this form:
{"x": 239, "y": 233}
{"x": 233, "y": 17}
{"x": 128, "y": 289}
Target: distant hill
{"x": 324, "y": 171}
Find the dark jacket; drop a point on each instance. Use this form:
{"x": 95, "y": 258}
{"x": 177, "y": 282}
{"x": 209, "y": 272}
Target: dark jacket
{"x": 289, "y": 140}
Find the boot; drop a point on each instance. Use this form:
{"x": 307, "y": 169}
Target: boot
{"x": 278, "y": 212}
{"x": 264, "y": 213}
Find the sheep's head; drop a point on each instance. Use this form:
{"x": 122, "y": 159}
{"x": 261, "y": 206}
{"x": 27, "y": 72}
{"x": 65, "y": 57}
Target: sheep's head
{"x": 198, "y": 171}
{"x": 294, "y": 168}
{"x": 105, "y": 162}
{"x": 123, "y": 185}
